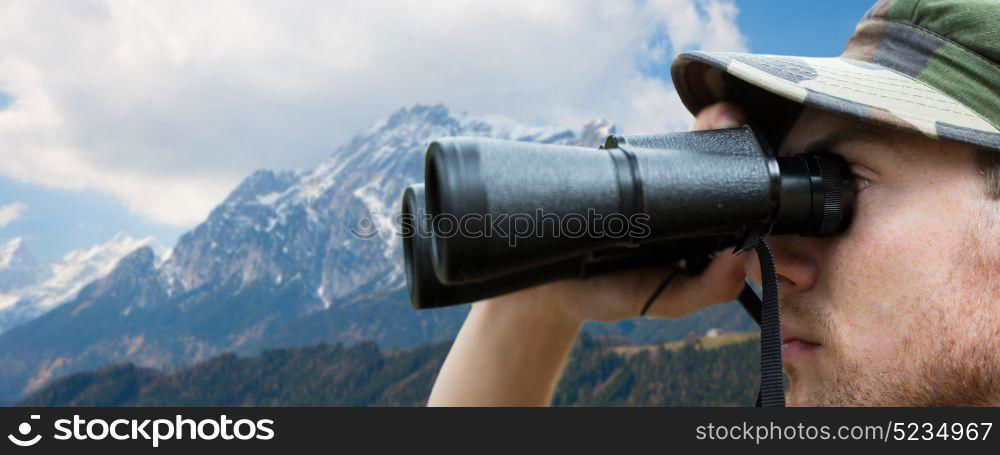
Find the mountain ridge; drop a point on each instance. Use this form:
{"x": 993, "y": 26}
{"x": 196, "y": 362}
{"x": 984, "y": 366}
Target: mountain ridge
{"x": 56, "y": 282}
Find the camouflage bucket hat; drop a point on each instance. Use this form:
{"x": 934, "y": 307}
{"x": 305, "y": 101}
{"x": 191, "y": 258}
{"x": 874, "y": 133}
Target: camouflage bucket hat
{"x": 928, "y": 66}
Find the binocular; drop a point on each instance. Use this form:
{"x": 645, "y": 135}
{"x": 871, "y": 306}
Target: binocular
{"x": 495, "y": 216}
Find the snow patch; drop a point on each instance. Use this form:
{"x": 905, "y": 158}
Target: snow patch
{"x": 71, "y": 273}
{"x": 269, "y": 198}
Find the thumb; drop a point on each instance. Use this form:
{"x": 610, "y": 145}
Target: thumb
{"x": 719, "y": 115}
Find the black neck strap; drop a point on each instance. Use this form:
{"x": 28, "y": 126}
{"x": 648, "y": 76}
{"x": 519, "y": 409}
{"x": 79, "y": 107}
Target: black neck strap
{"x": 772, "y": 378}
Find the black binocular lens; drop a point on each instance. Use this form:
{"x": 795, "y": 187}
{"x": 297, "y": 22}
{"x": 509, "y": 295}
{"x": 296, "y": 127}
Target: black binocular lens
{"x": 505, "y": 215}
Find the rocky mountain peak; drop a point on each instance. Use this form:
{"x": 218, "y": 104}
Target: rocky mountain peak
{"x": 139, "y": 262}
{"x": 435, "y": 115}
{"x": 262, "y": 182}
{"x": 19, "y": 267}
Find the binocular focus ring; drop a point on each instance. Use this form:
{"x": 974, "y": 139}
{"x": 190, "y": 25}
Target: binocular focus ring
{"x": 832, "y": 191}
{"x": 833, "y": 177}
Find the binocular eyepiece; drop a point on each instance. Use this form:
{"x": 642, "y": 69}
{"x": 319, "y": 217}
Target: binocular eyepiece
{"x": 496, "y": 216}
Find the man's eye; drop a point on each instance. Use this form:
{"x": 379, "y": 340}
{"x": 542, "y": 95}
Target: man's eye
{"x": 861, "y": 177}
{"x": 861, "y": 183}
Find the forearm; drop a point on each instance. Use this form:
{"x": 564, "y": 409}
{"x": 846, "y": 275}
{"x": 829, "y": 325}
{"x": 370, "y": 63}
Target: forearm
{"x": 509, "y": 352}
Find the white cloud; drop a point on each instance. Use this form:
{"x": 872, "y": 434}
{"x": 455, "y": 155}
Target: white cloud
{"x": 11, "y": 212}
{"x": 167, "y": 105}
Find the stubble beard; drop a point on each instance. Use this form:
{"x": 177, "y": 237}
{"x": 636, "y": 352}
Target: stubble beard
{"x": 948, "y": 356}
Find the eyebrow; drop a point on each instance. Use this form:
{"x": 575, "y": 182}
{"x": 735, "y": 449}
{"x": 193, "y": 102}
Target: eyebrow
{"x": 860, "y": 133}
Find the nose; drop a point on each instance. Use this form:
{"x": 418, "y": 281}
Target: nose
{"x": 793, "y": 260}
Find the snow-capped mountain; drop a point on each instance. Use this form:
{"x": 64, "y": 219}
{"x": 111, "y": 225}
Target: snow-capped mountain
{"x": 19, "y": 267}
{"x": 274, "y": 264}
{"x": 59, "y": 281}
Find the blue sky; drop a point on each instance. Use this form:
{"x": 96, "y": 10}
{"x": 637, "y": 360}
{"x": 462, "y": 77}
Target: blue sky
{"x": 56, "y": 221}
{"x": 810, "y": 28}
{"x": 58, "y": 218}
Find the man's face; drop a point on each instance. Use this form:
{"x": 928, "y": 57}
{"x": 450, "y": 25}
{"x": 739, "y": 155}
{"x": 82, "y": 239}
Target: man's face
{"x": 903, "y": 308}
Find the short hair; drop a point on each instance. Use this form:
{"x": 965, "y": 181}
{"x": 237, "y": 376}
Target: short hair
{"x": 988, "y": 165}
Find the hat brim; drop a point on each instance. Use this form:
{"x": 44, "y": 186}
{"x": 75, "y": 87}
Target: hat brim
{"x": 856, "y": 89}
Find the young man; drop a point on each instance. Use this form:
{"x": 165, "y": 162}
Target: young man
{"x": 903, "y": 309}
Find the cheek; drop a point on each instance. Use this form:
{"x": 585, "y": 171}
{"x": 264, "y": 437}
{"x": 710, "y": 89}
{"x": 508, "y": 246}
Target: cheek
{"x": 879, "y": 275}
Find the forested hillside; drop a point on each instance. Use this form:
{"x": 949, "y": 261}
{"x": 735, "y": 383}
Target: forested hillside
{"x": 719, "y": 371}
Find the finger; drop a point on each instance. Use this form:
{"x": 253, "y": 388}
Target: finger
{"x": 720, "y": 282}
{"x": 752, "y": 266}
{"x": 632, "y": 287}
{"x": 719, "y": 115}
